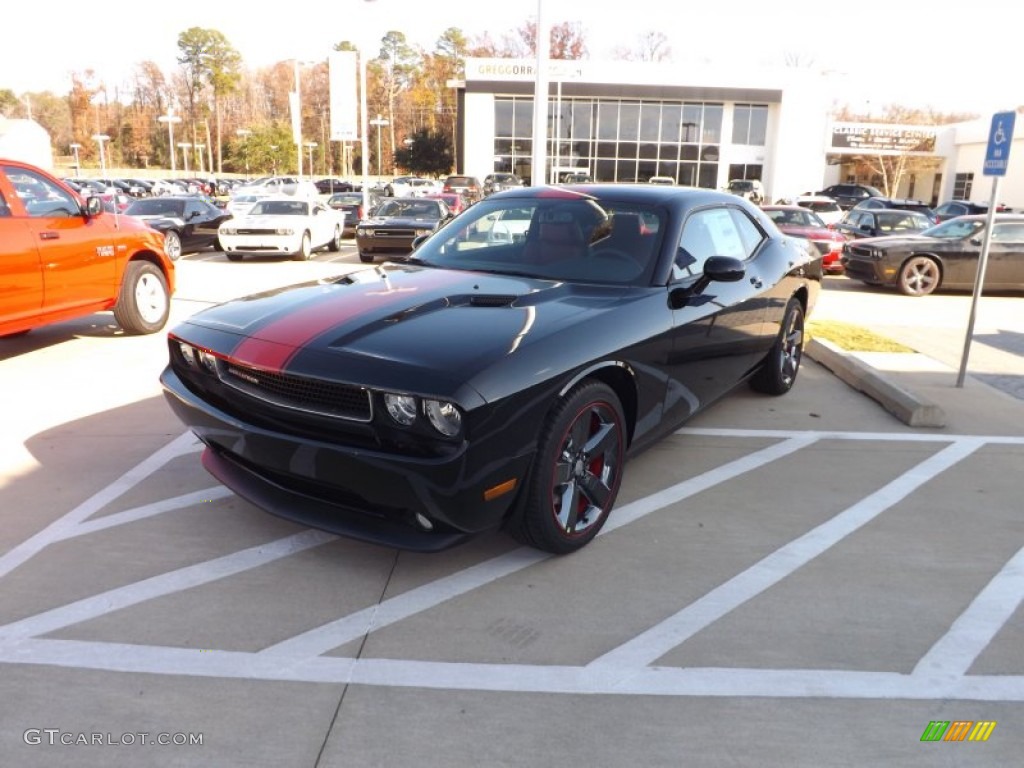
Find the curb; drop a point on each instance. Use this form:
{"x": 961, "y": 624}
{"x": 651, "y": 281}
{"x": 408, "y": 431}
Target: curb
{"x": 909, "y": 407}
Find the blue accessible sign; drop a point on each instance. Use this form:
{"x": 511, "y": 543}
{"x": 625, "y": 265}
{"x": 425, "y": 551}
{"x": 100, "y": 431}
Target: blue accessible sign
{"x": 1000, "y": 136}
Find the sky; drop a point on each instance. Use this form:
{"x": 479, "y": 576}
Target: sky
{"x": 884, "y": 51}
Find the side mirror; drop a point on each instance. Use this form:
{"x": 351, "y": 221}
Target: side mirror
{"x": 93, "y": 206}
{"x": 724, "y": 269}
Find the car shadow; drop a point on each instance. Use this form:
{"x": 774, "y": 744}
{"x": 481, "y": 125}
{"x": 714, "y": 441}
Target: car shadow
{"x": 100, "y": 325}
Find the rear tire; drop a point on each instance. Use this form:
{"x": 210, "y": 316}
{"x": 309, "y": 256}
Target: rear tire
{"x": 335, "y": 244}
{"x": 778, "y": 372}
{"x": 575, "y": 477}
{"x": 143, "y": 303}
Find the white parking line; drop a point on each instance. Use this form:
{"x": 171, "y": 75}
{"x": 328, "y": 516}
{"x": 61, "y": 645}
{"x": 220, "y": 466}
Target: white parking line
{"x": 651, "y": 645}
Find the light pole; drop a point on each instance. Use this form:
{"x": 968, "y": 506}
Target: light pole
{"x": 170, "y": 118}
{"x": 380, "y": 122}
{"x": 185, "y": 146}
{"x": 100, "y": 138}
{"x": 540, "y": 99}
{"x": 74, "y": 148}
{"x": 273, "y": 157}
{"x": 297, "y": 117}
{"x": 311, "y": 145}
{"x": 245, "y": 133}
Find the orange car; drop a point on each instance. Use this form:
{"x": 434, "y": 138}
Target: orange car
{"x": 63, "y": 257}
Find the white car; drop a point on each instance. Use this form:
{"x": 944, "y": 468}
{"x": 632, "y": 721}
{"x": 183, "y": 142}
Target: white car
{"x": 278, "y": 185}
{"x": 412, "y": 186}
{"x": 239, "y": 205}
{"x": 287, "y": 226}
{"x": 828, "y": 210}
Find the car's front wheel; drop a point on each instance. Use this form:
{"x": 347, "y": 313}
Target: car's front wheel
{"x": 919, "y": 276}
{"x": 778, "y": 372}
{"x": 577, "y": 471}
{"x": 305, "y": 248}
{"x": 143, "y": 303}
{"x": 172, "y": 244}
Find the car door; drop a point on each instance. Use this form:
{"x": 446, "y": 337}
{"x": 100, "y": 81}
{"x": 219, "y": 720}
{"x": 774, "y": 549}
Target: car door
{"x": 21, "y": 279}
{"x": 322, "y": 224}
{"x": 719, "y": 332}
{"x": 201, "y": 222}
{"x": 77, "y": 253}
{"x": 1006, "y": 255}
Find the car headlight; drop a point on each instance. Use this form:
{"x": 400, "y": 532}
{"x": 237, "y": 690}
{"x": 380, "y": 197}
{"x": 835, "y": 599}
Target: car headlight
{"x": 444, "y": 417}
{"x": 208, "y": 361}
{"x": 401, "y": 408}
{"x": 364, "y": 232}
{"x": 284, "y": 231}
{"x": 188, "y": 353}
{"x": 420, "y": 232}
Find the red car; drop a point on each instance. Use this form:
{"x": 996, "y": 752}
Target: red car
{"x": 62, "y": 256}
{"x": 456, "y": 203}
{"x": 799, "y": 222}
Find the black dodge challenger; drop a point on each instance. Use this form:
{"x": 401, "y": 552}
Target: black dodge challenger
{"x": 501, "y": 373}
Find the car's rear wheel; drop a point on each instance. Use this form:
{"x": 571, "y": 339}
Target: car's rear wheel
{"x": 305, "y": 248}
{"x": 778, "y": 372}
{"x": 577, "y": 471}
{"x": 172, "y": 244}
{"x": 366, "y": 258}
{"x": 335, "y": 244}
{"x": 143, "y": 303}
{"x": 919, "y": 276}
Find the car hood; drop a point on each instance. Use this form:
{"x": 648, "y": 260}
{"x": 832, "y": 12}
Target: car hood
{"x": 264, "y": 221}
{"x": 892, "y": 243}
{"x": 400, "y": 221}
{"x": 399, "y": 325}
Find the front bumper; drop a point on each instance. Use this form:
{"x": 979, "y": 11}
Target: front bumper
{"x": 275, "y": 244}
{"x": 372, "y": 496}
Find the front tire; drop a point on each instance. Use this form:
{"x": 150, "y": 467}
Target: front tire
{"x": 919, "y": 276}
{"x": 778, "y": 372}
{"x": 305, "y": 248}
{"x": 144, "y": 302}
{"x": 577, "y": 471}
{"x": 172, "y": 245}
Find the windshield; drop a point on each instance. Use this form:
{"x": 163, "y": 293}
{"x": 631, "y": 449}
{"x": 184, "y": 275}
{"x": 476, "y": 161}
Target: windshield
{"x": 741, "y": 186}
{"x": 279, "y": 208}
{"x": 955, "y": 229}
{"x": 411, "y": 209}
{"x": 157, "y": 207}
{"x": 572, "y": 240}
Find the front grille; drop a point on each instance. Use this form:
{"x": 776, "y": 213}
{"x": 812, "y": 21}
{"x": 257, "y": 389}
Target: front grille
{"x": 256, "y": 231}
{"x": 408, "y": 233}
{"x": 493, "y": 300}
{"x": 325, "y": 398}
{"x": 857, "y": 251}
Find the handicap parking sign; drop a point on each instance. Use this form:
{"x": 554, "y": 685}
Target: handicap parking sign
{"x": 1000, "y": 137}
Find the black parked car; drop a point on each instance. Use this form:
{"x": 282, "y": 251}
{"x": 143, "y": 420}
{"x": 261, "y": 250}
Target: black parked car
{"x": 394, "y": 224}
{"x": 954, "y": 208}
{"x": 503, "y": 375}
{"x": 882, "y": 222}
{"x": 351, "y": 204}
{"x": 329, "y": 186}
{"x": 882, "y": 203}
{"x": 188, "y": 223}
{"x": 945, "y": 256}
{"x": 848, "y": 195}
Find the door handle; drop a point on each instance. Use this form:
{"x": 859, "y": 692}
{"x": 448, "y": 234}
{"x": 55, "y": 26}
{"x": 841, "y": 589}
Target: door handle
{"x": 49, "y": 236}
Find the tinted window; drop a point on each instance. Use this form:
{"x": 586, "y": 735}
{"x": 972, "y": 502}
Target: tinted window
{"x": 714, "y": 232}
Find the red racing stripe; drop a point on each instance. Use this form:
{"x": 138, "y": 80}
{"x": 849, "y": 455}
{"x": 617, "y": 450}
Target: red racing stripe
{"x": 272, "y": 347}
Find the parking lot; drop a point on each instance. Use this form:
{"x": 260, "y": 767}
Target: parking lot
{"x": 792, "y": 581}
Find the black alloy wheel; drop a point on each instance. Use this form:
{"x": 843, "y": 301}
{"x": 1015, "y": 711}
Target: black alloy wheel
{"x": 779, "y": 370}
{"x": 577, "y": 471}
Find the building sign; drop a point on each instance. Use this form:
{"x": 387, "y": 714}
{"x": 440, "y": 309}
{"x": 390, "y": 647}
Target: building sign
{"x": 342, "y": 83}
{"x": 883, "y": 138}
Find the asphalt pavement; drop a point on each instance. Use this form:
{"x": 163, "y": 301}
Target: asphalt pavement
{"x": 794, "y": 581}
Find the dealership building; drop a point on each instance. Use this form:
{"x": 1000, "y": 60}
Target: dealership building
{"x": 628, "y": 121}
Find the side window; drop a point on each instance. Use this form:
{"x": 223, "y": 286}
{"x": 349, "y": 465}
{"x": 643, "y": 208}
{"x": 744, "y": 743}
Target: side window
{"x": 42, "y": 198}
{"x": 714, "y": 232}
{"x": 191, "y": 208}
{"x": 4, "y": 208}
{"x": 1008, "y": 233}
